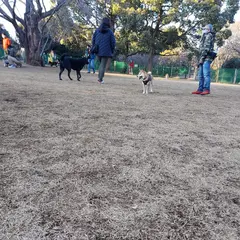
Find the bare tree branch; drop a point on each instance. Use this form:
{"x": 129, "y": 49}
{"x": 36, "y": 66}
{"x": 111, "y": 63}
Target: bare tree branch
{"x": 30, "y": 2}
{"x": 12, "y": 11}
{"x": 52, "y": 13}
{"x": 23, "y": 2}
{"x": 39, "y": 10}
{"x": 44, "y": 6}
{"x": 89, "y": 21}
{"x": 5, "y": 17}
{"x": 53, "y": 10}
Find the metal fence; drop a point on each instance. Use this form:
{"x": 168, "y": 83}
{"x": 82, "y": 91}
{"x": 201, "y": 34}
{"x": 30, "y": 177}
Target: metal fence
{"x": 222, "y": 75}
{"x": 160, "y": 71}
{"x": 226, "y": 75}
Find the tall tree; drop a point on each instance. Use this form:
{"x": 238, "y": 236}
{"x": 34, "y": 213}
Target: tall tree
{"x": 28, "y": 27}
{"x": 153, "y": 26}
{"x": 163, "y": 25}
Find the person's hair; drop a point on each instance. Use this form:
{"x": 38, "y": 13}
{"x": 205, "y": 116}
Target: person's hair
{"x": 106, "y": 21}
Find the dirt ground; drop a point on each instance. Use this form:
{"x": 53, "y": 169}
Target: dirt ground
{"x": 80, "y": 160}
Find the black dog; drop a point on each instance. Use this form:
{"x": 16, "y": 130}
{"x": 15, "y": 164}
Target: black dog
{"x": 69, "y": 63}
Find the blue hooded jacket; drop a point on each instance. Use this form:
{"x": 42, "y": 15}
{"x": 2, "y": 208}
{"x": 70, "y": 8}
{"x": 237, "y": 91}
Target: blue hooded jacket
{"x": 105, "y": 39}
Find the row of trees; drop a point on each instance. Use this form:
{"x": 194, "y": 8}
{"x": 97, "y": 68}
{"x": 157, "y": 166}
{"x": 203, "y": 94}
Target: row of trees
{"x": 152, "y": 27}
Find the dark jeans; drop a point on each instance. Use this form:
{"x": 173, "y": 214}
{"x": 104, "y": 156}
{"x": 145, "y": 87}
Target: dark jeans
{"x": 102, "y": 67}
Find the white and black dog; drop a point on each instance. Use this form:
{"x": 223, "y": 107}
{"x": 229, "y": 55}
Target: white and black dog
{"x": 147, "y": 79}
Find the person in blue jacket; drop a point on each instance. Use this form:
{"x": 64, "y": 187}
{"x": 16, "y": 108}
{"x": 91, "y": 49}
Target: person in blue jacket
{"x": 104, "y": 38}
{"x": 91, "y": 59}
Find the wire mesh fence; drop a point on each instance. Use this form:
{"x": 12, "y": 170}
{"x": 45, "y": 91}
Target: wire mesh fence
{"x": 160, "y": 71}
{"x": 222, "y": 75}
{"x": 226, "y": 75}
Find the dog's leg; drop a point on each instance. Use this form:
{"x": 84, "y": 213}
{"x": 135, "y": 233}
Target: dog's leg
{"x": 60, "y": 73}
{"x": 151, "y": 86}
{"x": 143, "y": 88}
{"x": 147, "y": 88}
{"x": 69, "y": 71}
{"x": 78, "y": 75}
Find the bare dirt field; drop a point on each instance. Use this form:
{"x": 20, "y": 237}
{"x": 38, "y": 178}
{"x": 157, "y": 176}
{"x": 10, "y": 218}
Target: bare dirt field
{"x": 84, "y": 161}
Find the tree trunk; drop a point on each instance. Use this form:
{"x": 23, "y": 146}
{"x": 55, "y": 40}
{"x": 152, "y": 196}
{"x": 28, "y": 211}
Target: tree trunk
{"x": 150, "y": 60}
{"x": 32, "y": 44}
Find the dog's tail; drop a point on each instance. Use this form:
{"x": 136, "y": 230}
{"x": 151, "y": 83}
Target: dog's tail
{"x": 150, "y": 73}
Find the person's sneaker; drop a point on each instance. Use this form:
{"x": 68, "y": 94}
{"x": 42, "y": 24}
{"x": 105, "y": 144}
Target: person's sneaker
{"x": 205, "y": 92}
{"x": 11, "y": 66}
{"x": 100, "y": 81}
{"x": 197, "y": 92}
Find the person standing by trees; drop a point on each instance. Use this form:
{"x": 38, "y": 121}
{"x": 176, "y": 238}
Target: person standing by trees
{"x": 131, "y": 66}
{"x": 91, "y": 62}
{"x": 103, "y": 44}
{"x": 87, "y": 51}
{"x": 91, "y": 59}
{"x": 206, "y": 58}
{"x": 6, "y": 43}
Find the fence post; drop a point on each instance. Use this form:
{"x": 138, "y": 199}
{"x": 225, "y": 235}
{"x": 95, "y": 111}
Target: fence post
{"x": 217, "y": 75}
{"x": 235, "y": 76}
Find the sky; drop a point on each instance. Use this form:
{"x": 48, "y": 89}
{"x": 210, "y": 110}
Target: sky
{"x": 21, "y": 10}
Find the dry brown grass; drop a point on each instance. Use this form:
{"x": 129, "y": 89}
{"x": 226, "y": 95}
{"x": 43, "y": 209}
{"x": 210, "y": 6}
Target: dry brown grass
{"x": 86, "y": 161}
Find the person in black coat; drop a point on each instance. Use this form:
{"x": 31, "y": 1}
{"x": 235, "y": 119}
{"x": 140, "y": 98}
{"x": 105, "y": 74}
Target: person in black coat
{"x": 105, "y": 40}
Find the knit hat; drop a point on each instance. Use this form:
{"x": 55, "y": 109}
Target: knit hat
{"x": 209, "y": 27}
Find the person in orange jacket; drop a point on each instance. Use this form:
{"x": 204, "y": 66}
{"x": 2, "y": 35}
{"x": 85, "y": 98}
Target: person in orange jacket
{"x": 6, "y": 43}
